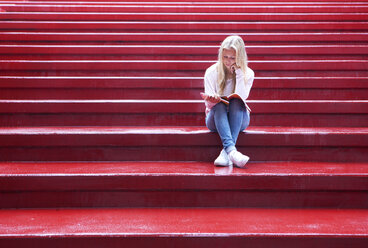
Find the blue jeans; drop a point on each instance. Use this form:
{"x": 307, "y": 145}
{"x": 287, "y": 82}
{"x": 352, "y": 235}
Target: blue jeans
{"x": 228, "y": 121}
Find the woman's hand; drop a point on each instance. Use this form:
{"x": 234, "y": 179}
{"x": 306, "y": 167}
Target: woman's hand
{"x": 213, "y": 99}
{"x": 233, "y": 68}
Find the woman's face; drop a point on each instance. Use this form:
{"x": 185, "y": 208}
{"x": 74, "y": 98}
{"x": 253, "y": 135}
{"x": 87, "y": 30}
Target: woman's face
{"x": 228, "y": 58}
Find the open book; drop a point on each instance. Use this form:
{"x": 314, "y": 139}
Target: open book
{"x": 226, "y": 99}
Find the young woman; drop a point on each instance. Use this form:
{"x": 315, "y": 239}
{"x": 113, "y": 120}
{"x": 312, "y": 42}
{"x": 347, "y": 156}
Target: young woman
{"x": 228, "y": 76}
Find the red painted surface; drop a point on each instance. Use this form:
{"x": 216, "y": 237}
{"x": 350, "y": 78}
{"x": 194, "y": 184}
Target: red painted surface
{"x": 170, "y": 119}
{"x": 180, "y": 144}
{"x": 198, "y": 2}
{"x": 186, "y": 17}
{"x": 177, "y": 82}
{"x": 170, "y": 153}
{"x": 309, "y": 104}
{"x": 179, "y": 106}
{"x": 176, "y": 73}
{"x": 173, "y": 94}
{"x": 198, "y": 51}
{"x": 180, "y": 136}
{"x": 185, "y": 222}
{"x": 182, "y": 37}
{"x": 183, "y": 242}
{"x": 182, "y": 176}
{"x": 180, "y": 7}
{"x": 174, "y": 65}
{"x": 185, "y": 198}
{"x": 184, "y": 26}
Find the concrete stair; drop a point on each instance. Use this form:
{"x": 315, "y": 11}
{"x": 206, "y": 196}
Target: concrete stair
{"x": 102, "y": 136}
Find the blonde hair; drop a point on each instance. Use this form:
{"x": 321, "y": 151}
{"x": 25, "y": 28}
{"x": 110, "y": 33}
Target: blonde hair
{"x": 231, "y": 42}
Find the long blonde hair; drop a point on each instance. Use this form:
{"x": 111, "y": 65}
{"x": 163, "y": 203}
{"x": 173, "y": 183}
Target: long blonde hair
{"x": 231, "y": 42}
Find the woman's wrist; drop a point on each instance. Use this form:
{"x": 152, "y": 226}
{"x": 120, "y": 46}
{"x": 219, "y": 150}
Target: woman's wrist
{"x": 239, "y": 72}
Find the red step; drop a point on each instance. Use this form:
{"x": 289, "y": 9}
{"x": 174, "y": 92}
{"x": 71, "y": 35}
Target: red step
{"x": 176, "y": 113}
{"x": 175, "y": 73}
{"x": 177, "y": 82}
{"x": 180, "y": 144}
{"x": 182, "y": 26}
{"x": 257, "y": 93}
{"x": 177, "y": 65}
{"x": 112, "y": 57}
{"x": 185, "y": 227}
{"x": 185, "y": 17}
{"x": 175, "y": 184}
{"x": 13, "y": 87}
{"x": 178, "y": 52}
{"x": 164, "y": 7}
{"x": 190, "y": 2}
{"x": 177, "y": 106}
{"x": 175, "y": 50}
{"x": 325, "y": 141}
{"x": 162, "y": 37}
{"x": 170, "y": 119}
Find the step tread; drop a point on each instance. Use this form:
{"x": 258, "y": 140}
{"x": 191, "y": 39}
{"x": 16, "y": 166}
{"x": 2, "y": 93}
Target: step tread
{"x": 180, "y": 49}
{"x": 182, "y": 36}
{"x": 104, "y": 106}
{"x": 201, "y": 169}
{"x": 188, "y": 222}
{"x": 185, "y": 136}
{"x": 190, "y": 2}
{"x": 174, "y": 82}
{"x": 175, "y": 130}
{"x": 189, "y": 25}
{"x": 182, "y": 7}
{"x": 157, "y": 16}
{"x": 301, "y": 176}
{"x": 179, "y": 65}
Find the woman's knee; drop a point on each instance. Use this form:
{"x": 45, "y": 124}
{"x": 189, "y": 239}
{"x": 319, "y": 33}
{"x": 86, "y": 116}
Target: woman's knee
{"x": 220, "y": 107}
{"x": 216, "y": 112}
{"x": 246, "y": 120}
{"x": 210, "y": 121}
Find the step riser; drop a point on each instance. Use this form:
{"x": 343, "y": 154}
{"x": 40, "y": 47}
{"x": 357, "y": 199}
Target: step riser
{"x": 240, "y": 17}
{"x": 197, "y": 198}
{"x": 184, "y": 242}
{"x": 180, "y": 38}
{"x": 150, "y": 82}
{"x": 189, "y": 2}
{"x": 297, "y": 120}
{"x": 180, "y": 8}
{"x": 176, "y": 73}
{"x": 317, "y": 72}
{"x": 181, "y": 57}
{"x": 180, "y": 137}
{"x": 176, "y": 107}
{"x": 174, "y": 65}
{"x": 313, "y": 154}
{"x": 174, "y": 94}
{"x": 160, "y": 184}
{"x": 220, "y": 181}
{"x": 198, "y": 52}
{"x": 172, "y": 26}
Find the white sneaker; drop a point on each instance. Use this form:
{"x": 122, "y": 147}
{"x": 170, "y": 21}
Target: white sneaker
{"x": 223, "y": 159}
{"x": 238, "y": 158}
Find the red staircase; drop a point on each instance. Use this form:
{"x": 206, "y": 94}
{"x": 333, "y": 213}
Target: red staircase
{"x": 102, "y": 135}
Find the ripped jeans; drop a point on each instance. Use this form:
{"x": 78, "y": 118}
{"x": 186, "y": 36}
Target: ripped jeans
{"x": 228, "y": 121}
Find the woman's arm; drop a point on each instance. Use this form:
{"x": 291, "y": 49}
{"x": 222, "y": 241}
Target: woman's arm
{"x": 210, "y": 95}
{"x": 248, "y": 79}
